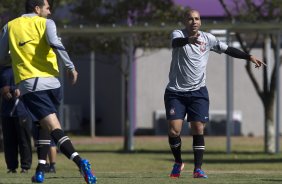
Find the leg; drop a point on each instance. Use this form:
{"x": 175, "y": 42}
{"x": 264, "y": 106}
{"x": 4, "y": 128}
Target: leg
{"x": 174, "y": 129}
{"x": 52, "y": 124}
{"x": 23, "y": 129}
{"x": 42, "y": 107}
{"x": 198, "y": 148}
{"x": 198, "y": 110}
{"x": 10, "y": 144}
{"x": 52, "y": 155}
{"x": 42, "y": 143}
{"x": 175, "y": 112}
{"x": 197, "y": 129}
{"x": 174, "y": 140}
{"x": 64, "y": 144}
{"x": 43, "y": 140}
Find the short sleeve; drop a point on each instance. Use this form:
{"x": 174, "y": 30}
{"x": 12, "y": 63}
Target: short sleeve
{"x": 177, "y": 34}
{"x": 216, "y": 45}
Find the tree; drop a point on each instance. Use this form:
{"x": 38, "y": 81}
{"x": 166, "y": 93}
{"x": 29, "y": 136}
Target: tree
{"x": 250, "y": 12}
{"x": 10, "y": 9}
{"x": 127, "y": 13}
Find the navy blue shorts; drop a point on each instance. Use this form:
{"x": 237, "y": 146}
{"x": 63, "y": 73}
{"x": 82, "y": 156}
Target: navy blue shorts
{"x": 42, "y": 103}
{"x": 194, "y": 104}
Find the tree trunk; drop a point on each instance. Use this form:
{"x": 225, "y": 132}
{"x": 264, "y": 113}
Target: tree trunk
{"x": 269, "y": 137}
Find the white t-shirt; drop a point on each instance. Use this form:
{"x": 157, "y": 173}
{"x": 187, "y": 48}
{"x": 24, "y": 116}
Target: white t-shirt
{"x": 188, "y": 64}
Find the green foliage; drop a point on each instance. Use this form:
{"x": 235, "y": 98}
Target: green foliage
{"x": 101, "y": 13}
{"x": 10, "y": 9}
{"x": 251, "y": 11}
{"x": 127, "y": 13}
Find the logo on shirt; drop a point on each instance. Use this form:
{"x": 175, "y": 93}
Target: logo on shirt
{"x": 203, "y": 47}
{"x": 23, "y": 43}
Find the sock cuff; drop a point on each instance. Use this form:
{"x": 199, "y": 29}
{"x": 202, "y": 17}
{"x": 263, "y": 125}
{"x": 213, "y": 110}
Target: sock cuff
{"x": 41, "y": 161}
{"x": 73, "y": 155}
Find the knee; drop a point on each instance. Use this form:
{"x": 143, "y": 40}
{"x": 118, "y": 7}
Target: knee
{"x": 173, "y": 133}
{"x": 198, "y": 128}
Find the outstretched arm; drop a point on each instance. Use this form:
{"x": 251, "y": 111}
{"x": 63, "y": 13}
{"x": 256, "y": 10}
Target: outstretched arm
{"x": 233, "y": 52}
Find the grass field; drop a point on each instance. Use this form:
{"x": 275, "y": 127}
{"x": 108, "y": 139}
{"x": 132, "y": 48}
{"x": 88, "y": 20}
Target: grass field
{"x": 151, "y": 162}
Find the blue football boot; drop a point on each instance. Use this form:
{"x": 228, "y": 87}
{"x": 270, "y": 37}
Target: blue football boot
{"x": 38, "y": 177}
{"x": 85, "y": 169}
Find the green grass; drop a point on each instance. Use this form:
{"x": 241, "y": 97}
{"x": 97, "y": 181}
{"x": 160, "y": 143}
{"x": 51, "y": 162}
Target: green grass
{"x": 151, "y": 162}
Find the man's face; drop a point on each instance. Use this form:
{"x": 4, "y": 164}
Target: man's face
{"x": 44, "y": 11}
{"x": 193, "y": 22}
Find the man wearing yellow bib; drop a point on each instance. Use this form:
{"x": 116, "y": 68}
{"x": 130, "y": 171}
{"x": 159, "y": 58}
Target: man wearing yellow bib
{"x": 34, "y": 47}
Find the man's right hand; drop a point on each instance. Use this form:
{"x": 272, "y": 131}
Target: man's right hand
{"x": 194, "y": 39}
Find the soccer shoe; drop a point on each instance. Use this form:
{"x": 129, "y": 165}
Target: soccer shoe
{"x": 38, "y": 177}
{"x": 24, "y": 171}
{"x": 52, "y": 169}
{"x": 85, "y": 170}
{"x": 199, "y": 173}
{"x": 12, "y": 171}
{"x": 176, "y": 170}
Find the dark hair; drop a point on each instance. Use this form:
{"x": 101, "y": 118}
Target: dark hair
{"x": 31, "y": 4}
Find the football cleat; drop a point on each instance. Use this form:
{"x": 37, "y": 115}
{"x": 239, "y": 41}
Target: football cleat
{"x": 199, "y": 173}
{"x": 52, "y": 168}
{"x": 85, "y": 170}
{"x": 38, "y": 177}
{"x": 12, "y": 171}
{"x": 176, "y": 170}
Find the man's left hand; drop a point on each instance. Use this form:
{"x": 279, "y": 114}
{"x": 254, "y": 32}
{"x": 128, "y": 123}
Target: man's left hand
{"x": 257, "y": 62}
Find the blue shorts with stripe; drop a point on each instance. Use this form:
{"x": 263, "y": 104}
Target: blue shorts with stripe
{"x": 42, "y": 103}
{"x": 194, "y": 104}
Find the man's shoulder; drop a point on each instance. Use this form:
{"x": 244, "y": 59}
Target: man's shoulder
{"x": 179, "y": 33}
{"x": 179, "y": 30}
{"x": 207, "y": 34}
{"x": 204, "y": 33}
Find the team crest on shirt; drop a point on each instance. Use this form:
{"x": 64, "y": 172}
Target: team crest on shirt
{"x": 172, "y": 111}
{"x": 203, "y": 47}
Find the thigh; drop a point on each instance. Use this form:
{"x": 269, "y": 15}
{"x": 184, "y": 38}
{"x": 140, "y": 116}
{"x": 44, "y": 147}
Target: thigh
{"x": 174, "y": 105}
{"x": 198, "y": 106}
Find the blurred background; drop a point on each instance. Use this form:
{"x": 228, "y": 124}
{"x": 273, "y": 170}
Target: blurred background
{"x": 121, "y": 49}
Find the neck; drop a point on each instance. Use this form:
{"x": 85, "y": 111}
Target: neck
{"x": 192, "y": 33}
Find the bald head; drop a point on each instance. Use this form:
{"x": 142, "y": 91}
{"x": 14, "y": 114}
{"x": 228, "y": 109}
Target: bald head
{"x": 189, "y": 12}
{"x": 192, "y": 21}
